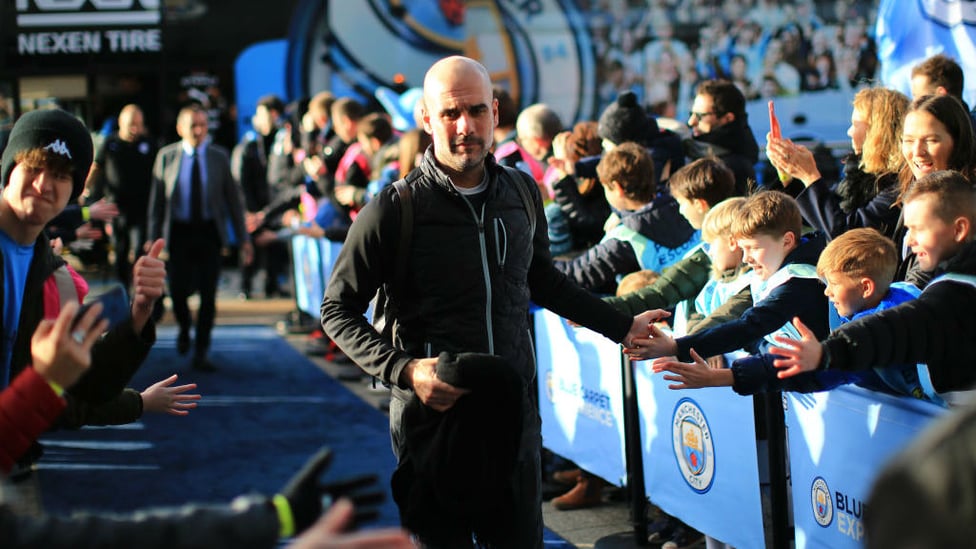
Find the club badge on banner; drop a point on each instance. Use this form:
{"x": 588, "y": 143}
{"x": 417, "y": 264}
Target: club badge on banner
{"x": 700, "y": 461}
{"x": 581, "y": 396}
{"x": 839, "y": 440}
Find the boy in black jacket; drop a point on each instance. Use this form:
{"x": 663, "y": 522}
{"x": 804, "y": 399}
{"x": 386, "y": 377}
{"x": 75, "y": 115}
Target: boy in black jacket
{"x": 785, "y": 285}
{"x": 938, "y": 327}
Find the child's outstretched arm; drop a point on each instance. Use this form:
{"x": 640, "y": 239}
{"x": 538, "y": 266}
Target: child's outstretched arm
{"x": 803, "y": 355}
{"x": 692, "y": 375}
{"x": 164, "y": 398}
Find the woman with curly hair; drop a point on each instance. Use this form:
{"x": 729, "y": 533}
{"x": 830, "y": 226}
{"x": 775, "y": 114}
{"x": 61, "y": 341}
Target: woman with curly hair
{"x": 867, "y": 195}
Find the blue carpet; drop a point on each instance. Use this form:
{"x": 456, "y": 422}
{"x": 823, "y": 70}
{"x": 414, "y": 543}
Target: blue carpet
{"x": 262, "y": 414}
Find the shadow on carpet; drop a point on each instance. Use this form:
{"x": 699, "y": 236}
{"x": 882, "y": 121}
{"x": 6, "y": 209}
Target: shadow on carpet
{"x": 263, "y": 413}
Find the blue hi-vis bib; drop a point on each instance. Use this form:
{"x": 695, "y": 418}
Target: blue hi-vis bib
{"x": 650, "y": 254}
{"x": 762, "y": 288}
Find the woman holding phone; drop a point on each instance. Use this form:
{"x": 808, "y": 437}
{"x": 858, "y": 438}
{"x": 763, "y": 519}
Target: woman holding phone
{"x": 867, "y": 195}
{"x": 936, "y": 134}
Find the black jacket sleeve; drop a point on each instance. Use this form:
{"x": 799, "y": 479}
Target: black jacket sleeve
{"x": 820, "y": 207}
{"x": 250, "y": 522}
{"x": 801, "y": 297}
{"x": 115, "y": 359}
{"x": 358, "y": 273}
{"x": 553, "y": 290}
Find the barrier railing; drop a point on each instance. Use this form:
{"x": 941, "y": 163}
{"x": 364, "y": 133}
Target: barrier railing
{"x": 699, "y": 453}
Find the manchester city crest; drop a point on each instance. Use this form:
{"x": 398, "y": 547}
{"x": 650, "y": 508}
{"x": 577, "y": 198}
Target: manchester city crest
{"x": 823, "y": 507}
{"x": 693, "y": 446}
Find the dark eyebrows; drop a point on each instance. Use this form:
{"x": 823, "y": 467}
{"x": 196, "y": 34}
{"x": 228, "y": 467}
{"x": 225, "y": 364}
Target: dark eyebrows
{"x": 476, "y": 110}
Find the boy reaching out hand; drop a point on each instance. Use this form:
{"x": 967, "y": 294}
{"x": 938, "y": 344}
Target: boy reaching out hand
{"x": 938, "y": 327}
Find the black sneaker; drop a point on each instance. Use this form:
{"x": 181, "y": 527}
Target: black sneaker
{"x": 661, "y": 529}
{"x": 684, "y": 537}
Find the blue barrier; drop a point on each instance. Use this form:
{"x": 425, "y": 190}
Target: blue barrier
{"x": 700, "y": 461}
{"x": 312, "y": 259}
{"x": 839, "y": 441}
{"x": 307, "y": 265}
{"x": 699, "y": 456}
{"x": 581, "y": 396}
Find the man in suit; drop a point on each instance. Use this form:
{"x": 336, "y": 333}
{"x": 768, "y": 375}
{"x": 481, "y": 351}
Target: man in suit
{"x": 198, "y": 208}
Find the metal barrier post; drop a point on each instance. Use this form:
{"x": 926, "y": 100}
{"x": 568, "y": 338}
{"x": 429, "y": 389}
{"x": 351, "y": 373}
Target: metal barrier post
{"x": 635, "y": 459}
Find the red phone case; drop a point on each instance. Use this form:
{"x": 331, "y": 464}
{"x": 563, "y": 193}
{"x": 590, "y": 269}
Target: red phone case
{"x": 774, "y": 123}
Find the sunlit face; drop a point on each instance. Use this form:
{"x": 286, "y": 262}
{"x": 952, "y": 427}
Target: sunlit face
{"x": 921, "y": 85}
{"x": 263, "y": 120}
{"x": 36, "y": 195}
{"x": 192, "y": 127}
{"x": 724, "y": 253}
{"x": 931, "y": 239}
{"x": 925, "y": 144}
{"x": 846, "y": 293}
{"x": 703, "y": 118}
{"x": 131, "y": 124}
{"x": 765, "y": 253}
{"x": 460, "y": 115}
{"x": 858, "y": 130}
{"x": 691, "y": 210}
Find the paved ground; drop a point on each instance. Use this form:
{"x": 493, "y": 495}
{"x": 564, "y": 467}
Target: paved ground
{"x": 607, "y": 526}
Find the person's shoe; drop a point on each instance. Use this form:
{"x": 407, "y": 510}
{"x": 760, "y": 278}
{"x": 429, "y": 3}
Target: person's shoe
{"x": 568, "y": 478}
{"x": 661, "y": 529}
{"x": 588, "y": 492}
{"x": 201, "y": 364}
{"x": 183, "y": 342}
{"x": 683, "y": 537}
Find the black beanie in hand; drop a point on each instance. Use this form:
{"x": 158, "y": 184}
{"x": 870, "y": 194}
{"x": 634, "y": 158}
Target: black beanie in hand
{"x": 56, "y": 131}
{"x": 625, "y": 120}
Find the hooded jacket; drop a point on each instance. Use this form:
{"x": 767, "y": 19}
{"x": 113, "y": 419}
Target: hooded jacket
{"x": 652, "y": 237}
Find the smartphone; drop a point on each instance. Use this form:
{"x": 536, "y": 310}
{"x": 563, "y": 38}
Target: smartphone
{"x": 776, "y": 133}
{"x": 115, "y": 306}
{"x": 774, "y": 130}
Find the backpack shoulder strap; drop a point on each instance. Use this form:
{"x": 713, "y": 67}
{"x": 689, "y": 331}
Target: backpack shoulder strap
{"x": 402, "y": 187}
{"x": 520, "y": 183}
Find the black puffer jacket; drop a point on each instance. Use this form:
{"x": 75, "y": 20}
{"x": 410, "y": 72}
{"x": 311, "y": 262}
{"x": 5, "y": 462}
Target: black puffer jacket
{"x": 469, "y": 276}
{"x": 936, "y": 328}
